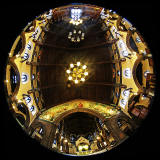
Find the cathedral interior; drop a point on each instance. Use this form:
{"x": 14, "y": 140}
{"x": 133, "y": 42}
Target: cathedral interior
{"x": 80, "y": 79}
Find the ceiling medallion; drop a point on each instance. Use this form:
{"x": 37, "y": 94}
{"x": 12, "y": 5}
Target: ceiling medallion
{"x": 77, "y": 72}
{"x": 87, "y": 45}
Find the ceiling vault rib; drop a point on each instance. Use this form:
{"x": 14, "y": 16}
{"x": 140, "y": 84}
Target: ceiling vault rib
{"x": 106, "y": 84}
{"x": 63, "y": 64}
{"x": 93, "y": 34}
{"x": 88, "y": 83}
{"x": 91, "y": 46}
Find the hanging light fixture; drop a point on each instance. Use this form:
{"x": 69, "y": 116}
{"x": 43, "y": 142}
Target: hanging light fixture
{"x": 77, "y": 72}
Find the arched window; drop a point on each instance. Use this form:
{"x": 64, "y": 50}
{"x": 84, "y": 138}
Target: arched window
{"x": 54, "y": 144}
{"x": 139, "y": 74}
{"x": 132, "y": 43}
{"x": 72, "y": 138}
{"x": 26, "y": 56}
{"x": 27, "y": 98}
{"x": 24, "y": 78}
{"x": 21, "y": 108}
{"x": 32, "y": 109}
{"x": 29, "y": 45}
{"x": 14, "y": 77}
{"x": 90, "y": 137}
{"x": 127, "y": 73}
{"x": 33, "y": 76}
{"x": 39, "y": 130}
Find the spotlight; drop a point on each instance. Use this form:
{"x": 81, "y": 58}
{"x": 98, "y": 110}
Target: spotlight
{"x": 98, "y": 137}
{"x": 78, "y": 63}
{"x": 85, "y": 147}
{"x": 68, "y": 71}
{"x": 76, "y": 81}
{"x": 85, "y": 73}
{"x": 70, "y": 78}
{"x": 84, "y": 67}
{"x": 82, "y": 79}
{"x": 71, "y": 65}
{"x": 79, "y": 32}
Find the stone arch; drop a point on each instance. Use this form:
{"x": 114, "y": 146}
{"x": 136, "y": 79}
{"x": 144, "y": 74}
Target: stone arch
{"x": 58, "y": 119}
{"x": 27, "y": 121}
{"x": 134, "y": 73}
